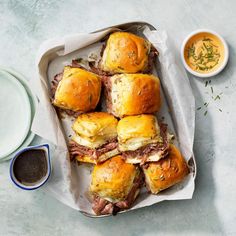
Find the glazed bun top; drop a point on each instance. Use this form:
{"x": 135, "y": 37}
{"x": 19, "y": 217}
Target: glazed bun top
{"x": 134, "y": 94}
{"x": 125, "y": 53}
{"x": 166, "y": 172}
{"x": 113, "y": 179}
{"x": 137, "y": 131}
{"x": 79, "y": 90}
{"x": 94, "y": 129}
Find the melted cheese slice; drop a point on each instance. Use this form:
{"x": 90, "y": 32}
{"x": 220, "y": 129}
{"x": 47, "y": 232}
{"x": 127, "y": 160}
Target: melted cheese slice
{"x": 95, "y": 143}
{"x": 135, "y": 143}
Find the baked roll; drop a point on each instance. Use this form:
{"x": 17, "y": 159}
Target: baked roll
{"x": 114, "y": 186}
{"x": 166, "y": 172}
{"x": 95, "y": 138}
{"x": 77, "y": 90}
{"x": 125, "y": 53}
{"x": 132, "y": 94}
{"x": 142, "y": 139}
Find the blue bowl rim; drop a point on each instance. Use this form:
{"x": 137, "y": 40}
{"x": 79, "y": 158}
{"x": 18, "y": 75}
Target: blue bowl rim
{"x": 48, "y": 161}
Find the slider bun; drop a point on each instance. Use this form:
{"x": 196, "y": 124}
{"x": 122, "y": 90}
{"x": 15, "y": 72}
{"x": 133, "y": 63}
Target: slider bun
{"x": 95, "y": 124}
{"x": 166, "y": 172}
{"x": 125, "y": 53}
{"x": 113, "y": 179}
{"x": 137, "y": 131}
{"x": 79, "y": 90}
{"x": 134, "y": 94}
{"x": 94, "y": 129}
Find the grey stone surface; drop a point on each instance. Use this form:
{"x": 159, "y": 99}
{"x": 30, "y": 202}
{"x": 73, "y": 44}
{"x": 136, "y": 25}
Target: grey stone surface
{"x": 24, "y": 24}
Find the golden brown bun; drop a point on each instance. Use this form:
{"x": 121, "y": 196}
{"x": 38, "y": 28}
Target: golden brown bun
{"x": 137, "y": 131}
{"x": 79, "y": 90}
{"x": 125, "y": 53}
{"x": 113, "y": 179}
{"x": 95, "y": 124}
{"x": 134, "y": 94}
{"x": 94, "y": 129}
{"x": 166, "y": 172}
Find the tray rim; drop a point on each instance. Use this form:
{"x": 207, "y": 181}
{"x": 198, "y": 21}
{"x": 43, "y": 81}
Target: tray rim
{"x": 126, "y": 25}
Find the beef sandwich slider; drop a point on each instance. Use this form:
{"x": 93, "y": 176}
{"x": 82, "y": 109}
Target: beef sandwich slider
{"x": 166, "y": 172}
{"x": 95, "y": 138}
{"x": 76, "y": 90}
{"x": 132, "y": 94}
{"x": 142, "y": 139}
{"x": 115, "y": 185}
{"x": 127, "y": 53}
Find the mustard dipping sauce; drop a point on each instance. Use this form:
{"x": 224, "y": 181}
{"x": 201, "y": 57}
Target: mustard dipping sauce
{"x": 204, "y": 52}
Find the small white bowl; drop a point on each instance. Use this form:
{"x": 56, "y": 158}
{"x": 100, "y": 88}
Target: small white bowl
{"x": 224, "y": 62}
{"x": 45, "y": 148}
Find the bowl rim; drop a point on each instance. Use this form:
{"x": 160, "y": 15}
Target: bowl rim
{"x": 223, "y": 64}
{"x": 38, "y": 185}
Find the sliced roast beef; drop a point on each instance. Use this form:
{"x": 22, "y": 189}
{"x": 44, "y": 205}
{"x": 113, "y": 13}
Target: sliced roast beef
{"x": 97, "y": 70}
{"x": 77, "y": 64}
{"x": 57, "y": 78}
{"x": 151, "y": 60}
{"x": 99, "y": 205}
{"x": 76, "y": 149}
{"x": 104, "y": 207}
{"x": 107, "y": 92}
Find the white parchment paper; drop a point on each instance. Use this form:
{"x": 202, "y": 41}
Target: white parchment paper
{"x": 69, "y": 182}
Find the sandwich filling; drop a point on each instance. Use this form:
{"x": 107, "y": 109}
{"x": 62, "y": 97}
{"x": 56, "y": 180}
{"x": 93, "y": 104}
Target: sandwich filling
{"x": 150, "y": 152}
{"x": 79, "y": 151}
{"x": 95, "y": 138}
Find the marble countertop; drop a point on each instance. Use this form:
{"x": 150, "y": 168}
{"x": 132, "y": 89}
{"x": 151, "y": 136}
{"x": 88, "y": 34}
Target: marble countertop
{"x": 212, "y": 211}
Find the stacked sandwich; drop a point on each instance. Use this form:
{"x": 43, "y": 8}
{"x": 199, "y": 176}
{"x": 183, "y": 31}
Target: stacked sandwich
{"x": 128, "y": 146}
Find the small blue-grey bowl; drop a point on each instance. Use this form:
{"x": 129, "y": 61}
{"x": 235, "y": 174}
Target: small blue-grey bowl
{"x": 42, "y": 181}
